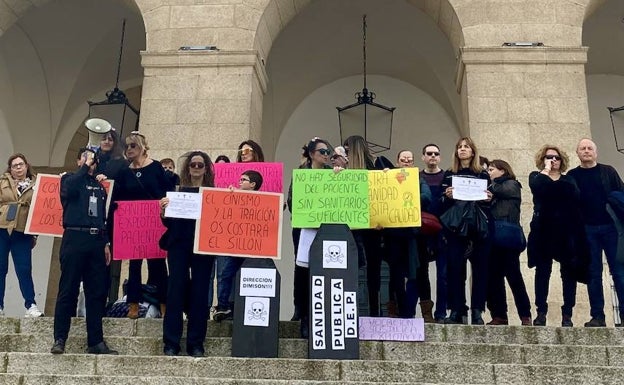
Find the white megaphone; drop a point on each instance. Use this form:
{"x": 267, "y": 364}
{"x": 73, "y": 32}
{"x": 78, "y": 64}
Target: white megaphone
{"x": 97, "y": 129}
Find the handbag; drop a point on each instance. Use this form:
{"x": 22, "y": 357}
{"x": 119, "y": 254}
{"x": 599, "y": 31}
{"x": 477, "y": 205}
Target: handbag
{"x": 430, "y": 224}
{"x": 509, "y": 235}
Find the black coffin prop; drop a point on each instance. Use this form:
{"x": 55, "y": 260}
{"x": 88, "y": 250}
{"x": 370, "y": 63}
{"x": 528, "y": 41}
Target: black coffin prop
{"x": 333, "y": 294}
{"x": 256, "y": 310}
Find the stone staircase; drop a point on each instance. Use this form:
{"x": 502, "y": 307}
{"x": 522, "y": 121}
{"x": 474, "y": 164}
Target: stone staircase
{"x": 451, "y": 354}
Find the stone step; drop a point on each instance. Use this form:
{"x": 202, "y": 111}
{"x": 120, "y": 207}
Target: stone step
{"x": 433, "y": 352}
{"x": 184, "y": 370}
{"x": 521, "y": 335}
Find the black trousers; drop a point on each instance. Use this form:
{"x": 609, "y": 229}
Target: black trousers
{"x": 156, "y": 275}
{"x": 188, "y": 289}
{"x": 82, "y": 259}
{"x": 505, "y": 263}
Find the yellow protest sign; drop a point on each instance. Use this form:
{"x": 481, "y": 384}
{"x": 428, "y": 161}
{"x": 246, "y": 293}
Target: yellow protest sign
{"x": 394, "y": 198}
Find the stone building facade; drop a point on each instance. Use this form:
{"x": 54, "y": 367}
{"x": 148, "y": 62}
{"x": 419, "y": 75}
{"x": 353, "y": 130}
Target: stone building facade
{"x": 281, "y": 66}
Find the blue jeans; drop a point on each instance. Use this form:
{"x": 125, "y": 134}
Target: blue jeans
{"x": 218, "y": 271}
{"x": 599, "y": 238}
{"x": 20, "y": 246}
{"x": 224, "y": 287}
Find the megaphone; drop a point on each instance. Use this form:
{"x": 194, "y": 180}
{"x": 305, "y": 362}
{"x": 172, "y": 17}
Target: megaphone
{"x": 97, "y": 129}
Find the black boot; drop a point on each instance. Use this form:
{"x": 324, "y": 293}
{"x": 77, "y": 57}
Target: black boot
{"x": 475, "y": 317}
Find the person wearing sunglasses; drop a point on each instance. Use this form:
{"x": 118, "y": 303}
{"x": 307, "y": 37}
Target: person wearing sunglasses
{"x": 249, "y": 151}
{"x": 433, "y": 175}
{"x": 188, "y": 286}
{"x": 143, "y": 179}
{"x": 315, "y": 155}
{"x": 16, "y": 192}
{"x": 340, "y": 158}
{"x": 556, "y": 231}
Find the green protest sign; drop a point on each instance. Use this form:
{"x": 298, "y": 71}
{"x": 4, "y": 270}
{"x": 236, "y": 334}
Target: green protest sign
{"x": 322, "y": 196}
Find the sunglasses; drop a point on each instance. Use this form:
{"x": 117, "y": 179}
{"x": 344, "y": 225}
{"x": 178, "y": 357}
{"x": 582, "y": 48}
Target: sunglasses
{"x": 243, "y": 180}
{"x": 131, "y": 145}
{"x": 551, "y": 157}
{"x": 198, "y": 165}
{"x": 406, "y": 160}
{"x": 432, "y": 153}
{"x": 245, "y": 151}
{"x": 323, "y": 151}
{"x": 137, "y": 133}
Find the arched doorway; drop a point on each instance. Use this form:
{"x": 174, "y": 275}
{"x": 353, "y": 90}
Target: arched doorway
{"x": 314, "y": 64}
{"x": 54, "y": 56}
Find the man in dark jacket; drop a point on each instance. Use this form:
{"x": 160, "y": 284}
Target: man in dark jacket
{"x": 595, "y": 181}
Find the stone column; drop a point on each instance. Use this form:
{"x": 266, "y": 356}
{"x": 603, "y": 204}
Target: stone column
{"x": 206, "y": 100}
{"x": 517, "y": 99}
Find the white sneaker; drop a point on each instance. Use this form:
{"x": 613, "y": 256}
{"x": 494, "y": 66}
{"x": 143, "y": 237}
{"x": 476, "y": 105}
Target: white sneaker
{"x": 33, "y": 312}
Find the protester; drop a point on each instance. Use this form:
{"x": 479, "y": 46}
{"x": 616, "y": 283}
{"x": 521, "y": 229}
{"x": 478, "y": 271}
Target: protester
{"x": 222, "y": 159}
{"x": 433, "y": 175}
{"x": 595, "y": 181}
{"x": 169, "y": 166}
{"x": 249, "y": 151}
{"x": 144, "y": 179}
{"x": 504, "y": 259}
{"x": 466, "y": 229}
{"x": 250, "y": 180}
{"x": 84, "y": 255}
{"x": 340, "y": 158}
{"x": 316, "y": 156}
{"x": 556, "y": 230}
{"x": 188, "y": 286}
{"x": 16, "y": 191}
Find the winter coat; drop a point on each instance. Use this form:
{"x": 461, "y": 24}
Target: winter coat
{"x": 8, "y": 196}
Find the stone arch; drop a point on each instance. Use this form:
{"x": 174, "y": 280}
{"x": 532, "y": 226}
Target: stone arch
{"x": 591, "y": 7}
{"x": 277, "y": 14}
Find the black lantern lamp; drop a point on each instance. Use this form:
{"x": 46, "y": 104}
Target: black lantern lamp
{"x": 617, "y": 123}
{"x": 365, "y": 117}
{"x": 116, "y": 109}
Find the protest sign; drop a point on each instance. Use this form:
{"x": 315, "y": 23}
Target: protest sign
{"x": 45, "y": 216}
{"x": 394, "y": 198}
{"x": 392, "y": 329}
{"x": 185, "y": 205}
{"x": 322, "y": 196}
{"x": 228, "y": 174}
{"x": 469, "y": 189}
{"x": 240, "y": 223}
{"x": 137, "y": 230}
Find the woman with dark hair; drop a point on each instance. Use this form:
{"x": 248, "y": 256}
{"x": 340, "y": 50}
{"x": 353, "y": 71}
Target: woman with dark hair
{"x": 556, "y": 231}
{"x": 110, "y": 156}
{"x": 456, "y": 245}
{"x": 16, "y": 191}
{"x": 187, "y": 271}
{"x": 505, "y": 261}
{"x": 315, "y": 156}
{"x": 144, "y": 179}
{"x": 222, "y": 159}
{"x": 369, "y": 241}
{"x": 249, "y": 151}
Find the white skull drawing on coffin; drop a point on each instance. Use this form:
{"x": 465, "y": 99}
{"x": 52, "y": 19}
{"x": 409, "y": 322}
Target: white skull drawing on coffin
{"x": 257, "y": 311}
{"x": 334, "y": 254}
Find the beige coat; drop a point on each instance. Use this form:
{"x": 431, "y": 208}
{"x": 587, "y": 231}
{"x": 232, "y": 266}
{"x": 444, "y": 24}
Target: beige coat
{"x": 8, "y": 195}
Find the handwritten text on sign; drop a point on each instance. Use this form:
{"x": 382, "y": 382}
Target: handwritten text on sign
{"x": 392, "y": 329}
{"x": 228, "y": 174}
{"x": 322, "y": 196}
{"x": 240, "y": 223}
{"x": 45, "y": 216}
{"x": 394, "y": 198}
{"x": 137, "y": 230}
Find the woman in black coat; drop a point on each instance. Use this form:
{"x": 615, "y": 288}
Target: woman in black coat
{"x": 556, "y": 231}
{"x": 504, "y": 261}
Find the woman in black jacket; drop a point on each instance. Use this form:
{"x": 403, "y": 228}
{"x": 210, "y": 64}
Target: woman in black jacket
{"x": 556, "y": 231}
{"x": 188, "y": 272}
{"x": 473, "y": 240}
{"x": 505, "y": 261}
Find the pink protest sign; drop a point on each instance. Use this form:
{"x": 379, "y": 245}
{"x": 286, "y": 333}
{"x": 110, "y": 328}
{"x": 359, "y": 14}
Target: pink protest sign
{"x": 392, "y": 329}
{"x": 228, "y": 174}
{"x": 138, "y": 229}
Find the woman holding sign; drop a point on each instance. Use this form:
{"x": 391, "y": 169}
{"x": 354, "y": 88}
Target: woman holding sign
{"x": 16, "y": 191}
{"x": 315, "y": 156}
{"x": 465, "y": 217}
{"x": 144, "y": 179}
{"x": 188, "y": 272}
